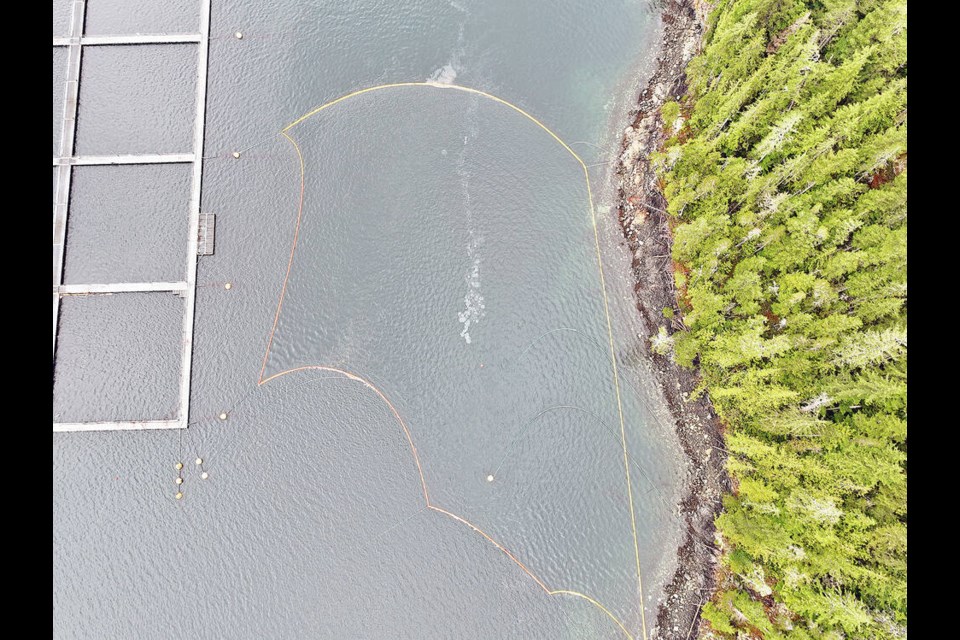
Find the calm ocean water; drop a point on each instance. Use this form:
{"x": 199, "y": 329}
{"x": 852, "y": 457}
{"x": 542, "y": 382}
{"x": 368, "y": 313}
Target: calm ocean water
{"x": 443, "y": 321}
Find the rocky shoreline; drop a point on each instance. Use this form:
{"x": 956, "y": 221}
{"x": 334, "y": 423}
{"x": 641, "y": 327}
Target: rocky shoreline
{"x": 641, "y": 213}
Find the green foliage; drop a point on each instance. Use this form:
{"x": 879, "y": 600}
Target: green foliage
{"x": 669, "y": 112}
{"x": 789, "y": 198}
{"x": 662, "y": 343}
{"x": 719, "y": 620}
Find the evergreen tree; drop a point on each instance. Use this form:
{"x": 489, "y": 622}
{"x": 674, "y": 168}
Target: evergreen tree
{"x": 787, "y": 197}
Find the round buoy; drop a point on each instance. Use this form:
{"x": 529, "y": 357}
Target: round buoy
{"x": 223, "y": 416}
{"x": 199, "y": 460}
{"x": 236, "y": 154}
{"x": 238, "y": 35}
{"x": 178, "y": 466}
{"x": 227, "y": 286}
{"x": 178, "y": 496}
{"x": 179, "y": 480}
{"x": 204, "y": 475}
{"x": 490, "y": 478}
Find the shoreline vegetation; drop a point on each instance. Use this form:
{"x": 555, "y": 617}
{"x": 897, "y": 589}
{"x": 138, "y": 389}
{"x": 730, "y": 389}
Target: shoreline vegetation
{"x": 762, "y": 190}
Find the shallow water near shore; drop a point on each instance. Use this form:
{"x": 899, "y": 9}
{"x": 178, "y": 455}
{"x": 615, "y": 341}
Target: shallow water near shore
{"x": 426, "y": 438}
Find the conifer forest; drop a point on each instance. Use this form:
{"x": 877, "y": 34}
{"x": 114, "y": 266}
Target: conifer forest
{"x": 785, "y": 174}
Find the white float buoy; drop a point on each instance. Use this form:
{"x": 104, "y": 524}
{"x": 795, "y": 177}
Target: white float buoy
{"x": 236, "y": 154}
{"x": 199, "y": 460}
{"x": 178, "y": 496}
{"x": 227, "y": 286}
{"x": 204, "y": 475}
{"x": 179, "y": 480}
{"x": 490, "y": 478}
{"x": 223, "y": 416}
{"x": 178, "y": 466}
{"x": 238, "y": 35}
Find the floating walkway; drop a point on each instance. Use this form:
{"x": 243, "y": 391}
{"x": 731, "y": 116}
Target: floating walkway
{"x": 67, "y": 159}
